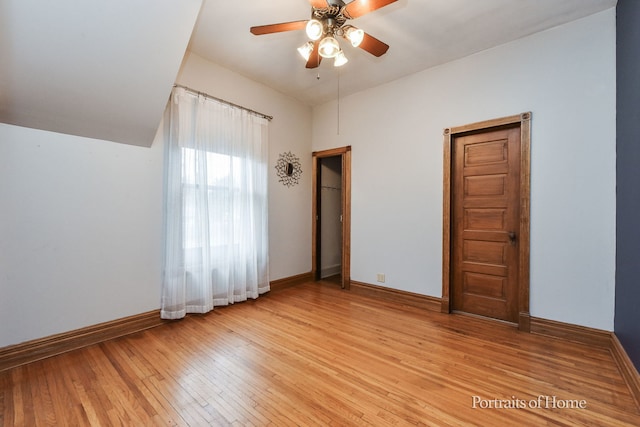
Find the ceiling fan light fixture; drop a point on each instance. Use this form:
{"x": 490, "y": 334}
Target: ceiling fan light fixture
{"x": 328, "y": 47}
{"x": 314, "y": 29}
{"x": 354, "y": 35}
{"x": 305, "y": 50}
{"x": 328, "y": 21}
{"x": 340, "y": 59}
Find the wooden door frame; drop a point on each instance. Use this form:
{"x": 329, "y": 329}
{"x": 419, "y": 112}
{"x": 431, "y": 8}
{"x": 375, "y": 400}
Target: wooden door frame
{"x": 524, "y": 121}
{"x": 345, "y": 155}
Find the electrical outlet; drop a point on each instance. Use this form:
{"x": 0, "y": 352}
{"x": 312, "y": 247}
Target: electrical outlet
{"x": 381, "y": 277}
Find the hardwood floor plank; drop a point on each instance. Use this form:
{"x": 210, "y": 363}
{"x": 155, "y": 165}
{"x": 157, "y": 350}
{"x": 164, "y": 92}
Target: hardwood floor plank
{"x": 18, "y": 403}
{"x": 41, "y": 396}
{"x": 5, "y": 400}
{"x": 69, "y": 406}
{"x": 315, "y": 355}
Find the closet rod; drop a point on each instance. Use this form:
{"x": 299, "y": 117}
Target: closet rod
{"x": 206, "y": 95}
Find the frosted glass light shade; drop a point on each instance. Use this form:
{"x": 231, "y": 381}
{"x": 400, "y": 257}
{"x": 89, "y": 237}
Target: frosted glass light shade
{"x": 340, "y": 60}
{"x": 355, "y": 36}
{"x": 305, "y": 50}
{"x": 314, "y": 29}
{"x": 328, "y": 47}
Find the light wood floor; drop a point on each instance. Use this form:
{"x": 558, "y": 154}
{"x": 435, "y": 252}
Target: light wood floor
{"x": 316, "y": 355}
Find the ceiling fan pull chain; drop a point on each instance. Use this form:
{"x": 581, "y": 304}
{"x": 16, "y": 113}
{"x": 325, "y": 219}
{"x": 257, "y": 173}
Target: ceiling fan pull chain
{"x": 338, "y": 125}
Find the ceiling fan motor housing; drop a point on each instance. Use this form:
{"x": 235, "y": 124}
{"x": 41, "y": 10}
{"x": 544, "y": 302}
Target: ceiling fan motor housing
{"x": 332, "y": 17}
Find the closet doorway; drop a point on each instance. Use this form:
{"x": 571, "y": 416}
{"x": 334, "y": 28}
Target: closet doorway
{"x": 331, "y": 216}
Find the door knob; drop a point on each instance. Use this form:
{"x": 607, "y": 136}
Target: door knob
{"x": 512, "y": 237}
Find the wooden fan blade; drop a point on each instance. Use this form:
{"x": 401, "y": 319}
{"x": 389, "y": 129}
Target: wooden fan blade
{"x": 373, "y": 45}
{"x": 360, "y": 7}
{"x": 278, "y": 28}
{"x": 318, "y": 4}
{"x": 314, "y": 58}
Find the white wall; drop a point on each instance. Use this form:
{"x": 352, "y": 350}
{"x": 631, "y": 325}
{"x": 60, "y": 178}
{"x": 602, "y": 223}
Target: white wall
{"x": 566, "y": 77}
{"x": 80, "y": 224}
{"x": 81, "y": 219}
{"x": 290, "y": 130}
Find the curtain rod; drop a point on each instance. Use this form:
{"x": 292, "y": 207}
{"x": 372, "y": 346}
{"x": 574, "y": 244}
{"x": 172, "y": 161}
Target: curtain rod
{"x": 206, "y": 95}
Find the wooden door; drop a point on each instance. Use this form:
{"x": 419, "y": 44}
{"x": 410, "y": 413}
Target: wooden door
{"x": 486, "y": 222}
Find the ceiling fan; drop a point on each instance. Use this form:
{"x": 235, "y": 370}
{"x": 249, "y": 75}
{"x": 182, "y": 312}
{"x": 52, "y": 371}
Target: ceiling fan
{"x": 329, "y": 19}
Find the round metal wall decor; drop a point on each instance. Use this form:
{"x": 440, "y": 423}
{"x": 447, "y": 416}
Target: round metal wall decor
{"x": 288, "y": 169}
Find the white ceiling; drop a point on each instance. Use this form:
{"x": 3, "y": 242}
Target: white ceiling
{"x": 104, "y": 68}
{"x": 421, "y": 34}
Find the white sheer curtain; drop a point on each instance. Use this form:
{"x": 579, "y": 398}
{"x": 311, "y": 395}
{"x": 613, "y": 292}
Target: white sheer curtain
{"x": 216, "y": 241}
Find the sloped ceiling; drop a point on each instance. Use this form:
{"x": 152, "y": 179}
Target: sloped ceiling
{"x": 96, "y": 68}
{"x": 104, "y": 68}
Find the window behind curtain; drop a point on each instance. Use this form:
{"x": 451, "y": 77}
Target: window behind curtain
{"x": 216, "y": 249}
